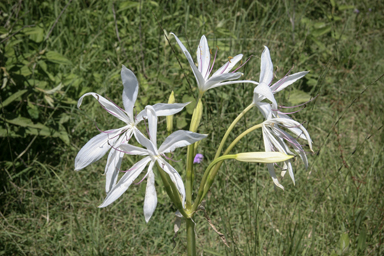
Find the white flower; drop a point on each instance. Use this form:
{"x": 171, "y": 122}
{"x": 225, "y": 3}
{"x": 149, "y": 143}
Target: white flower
{"x": 274, "y": 140}
{"x": 266, "y": 90}
{"x": 96, "y": 147}
{"x": 153, "y": 155}
{"x": 204, "y": 67}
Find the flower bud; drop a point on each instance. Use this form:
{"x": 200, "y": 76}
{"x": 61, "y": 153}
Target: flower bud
{"x": 262, "y": 157}
{"x": 170, "y": 118}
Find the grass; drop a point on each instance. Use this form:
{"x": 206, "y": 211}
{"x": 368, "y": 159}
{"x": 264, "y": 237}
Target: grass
{"x": 336, "y": 206}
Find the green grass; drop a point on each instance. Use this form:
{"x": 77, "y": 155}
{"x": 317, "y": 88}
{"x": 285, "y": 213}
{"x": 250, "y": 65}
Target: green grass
{"x": 46, "y": 208}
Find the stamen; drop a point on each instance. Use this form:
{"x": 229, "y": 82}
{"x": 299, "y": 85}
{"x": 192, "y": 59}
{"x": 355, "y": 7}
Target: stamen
{"x": 98, "y": 100}
{"x": 241, "y": 65}
{"x": 288, "y": 113}
{"x": 169, "y": 158}
{"x": 115, "y": 104}
{"x": 142, "y": 179}
{"x": 131, "y": 169}
{"x": 117, "y": 149}
{"x": 118, "y": 134}
{"x": 213, "y": 63}
{"x": 229, "y": 59}
{"x": 282, "y": 80}
{"x": 146, "y": 127}
{"x": 101, "y": 130}
{"x": 303, "y": 104}
{"x": 225, "y": 67}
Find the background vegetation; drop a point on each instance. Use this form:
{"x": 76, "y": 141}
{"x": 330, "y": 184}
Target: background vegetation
{"x": 52, "y": 52}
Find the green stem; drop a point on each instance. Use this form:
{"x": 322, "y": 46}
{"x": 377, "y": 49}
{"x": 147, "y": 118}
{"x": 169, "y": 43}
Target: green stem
{"x": 195, "y": 121}
{"x": 205, "y": 177}
{"x": 191, "y": 238}
{"x": 230, "y": 129}
{"x": 203, "y": 190}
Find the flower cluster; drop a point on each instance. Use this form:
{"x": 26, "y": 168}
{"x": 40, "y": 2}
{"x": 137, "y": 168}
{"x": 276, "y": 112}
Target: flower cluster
{"x": 280, "y": 132}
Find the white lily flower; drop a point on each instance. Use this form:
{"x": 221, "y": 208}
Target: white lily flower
{"x": 153, "y": 154}
{"x": 274, "y": 140}
{"x": 98, "y": 146}
{"x": 204, "y": 67}
{"x": 266, "y": 90}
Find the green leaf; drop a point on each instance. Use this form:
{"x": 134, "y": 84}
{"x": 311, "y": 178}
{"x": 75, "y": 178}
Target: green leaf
{"x": 191, "y": 106}
{"x": 24, "y": 71}
{"x": 297, "y": 96}
{"x": 344, "y": 241}
{"x": 362, "y": 238}
{"x": 13, "y": 97}
{"x": 35, "y": 33}
{"x": 181, "y": 122}
{"x": 57, "y": 58}
{"x": 33, "y": 111}
{"x": 127, "y": 5}
{"x": 321, "y": 31}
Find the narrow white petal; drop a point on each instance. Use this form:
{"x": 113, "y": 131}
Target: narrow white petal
{"x": 266, "y": 69}
{"x": 228, "y": 65}
{"x": 113, "y": 165}
{"x": 152, "y": 124}
{"x": 284, "y": 82}
{"x": 265, "y": 109}
{"x": 131, "y": 88}
{"x": 132, "y": 150}
{"x": 145, "y": 142}
{"x": 109, "y": 106}
{"x": 295, "y": 130}
{"x": 150, "y": 200}
{"x": 261, "y": 92}
{"x": 179, "y": 139}
{"x": 203, "y": 56}
{"x": 162, "y": 109}
{"x": 290, "y": 171}
{"x": 175, "y": 177}
{"x": 199, "y": 78}
{"x": 125, "y": 182}
{"x": 271, "y": 171}
{"x": 95, "y": 148}
{"x": 215, "y": 81}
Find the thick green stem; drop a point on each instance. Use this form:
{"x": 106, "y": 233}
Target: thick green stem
{"x": 195, "y": 121}
{"x": 191, "y": 238}
{"x": 230, "y": 129}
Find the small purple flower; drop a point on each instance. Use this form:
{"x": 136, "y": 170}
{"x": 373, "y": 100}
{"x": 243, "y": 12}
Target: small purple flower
{"x": 356, "y": 11}
{"x": 198, "y": 159}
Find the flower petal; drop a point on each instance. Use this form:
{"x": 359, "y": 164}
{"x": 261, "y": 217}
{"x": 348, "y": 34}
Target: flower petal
{"x": 288, "y": 80}
{"x": 133, "y": 150}
{"x": 265, "y": 109}
{"x": 175, "y": 177}
{"x": 152, "y": 124}
{"x": 111, "y": 107}
{"x": 112, "y": 168}
{"x": 295, "y": 130}
{"x": 203, "y": 56}
{"x": 162, "y": 109}
{"x": 95, "y": 148}
{"x": 271, "y": 171}
{"x": 266, "y": 69}
{"x": 131, "y": 88}
{"x": 228, "y": 65}
{"x": 261, "y": 92}
{"x": 215, "y": 81}
{"x": 152, "y": 150}
{"x": 125, "y": 182}
{"x": 179, "y": 139}
{"x": 199, "y": 78}
{"x": 150, "y": 200}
